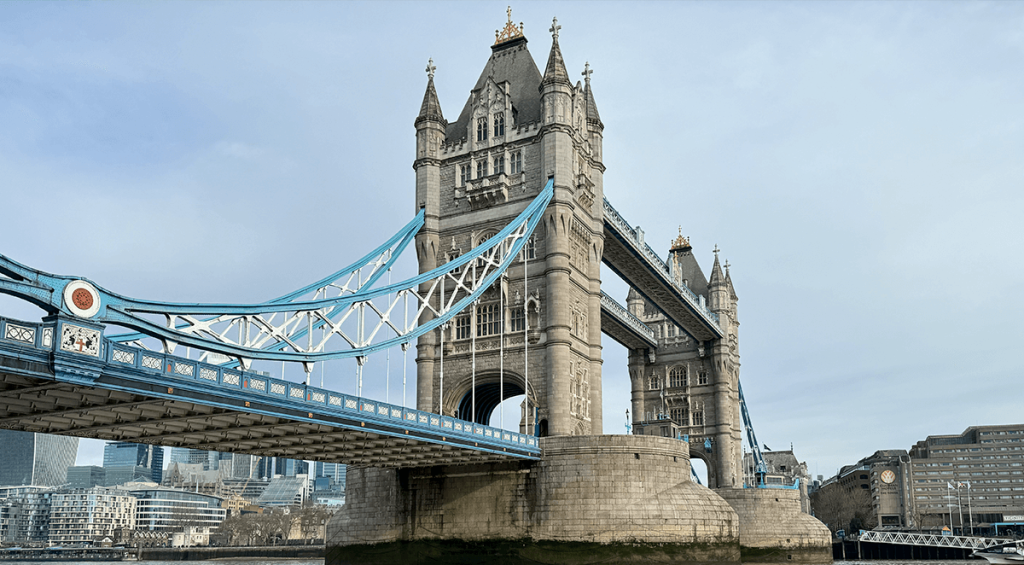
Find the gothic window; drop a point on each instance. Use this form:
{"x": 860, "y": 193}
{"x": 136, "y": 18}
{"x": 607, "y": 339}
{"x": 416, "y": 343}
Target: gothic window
{"x": 516, "y": 162}
{"x": 698, "y": 417}
{"x": 463, "y": 174}
{"x": 529, "y": 250}
{"x": 453, "y": 255}
{"x": 677, "y": 377}
{"x": 480, "y": 262}
{"x": 499, "y": 124}
{"x": 518, "y": 318}
{"x": 499, "y": 164}
{"x": 680, "y": 416}
{"x": 462, "y": 327}
{"x": 702, "y": 378}
{"x": 481, "y": 168}
{"x": 481, "y": 129}
{"x": 654, "y": 383}
{"x": 488, "y": 320}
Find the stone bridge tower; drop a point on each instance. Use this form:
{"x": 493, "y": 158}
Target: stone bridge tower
{"x": 517, "y": 129}
{"x": 691, "y": 382}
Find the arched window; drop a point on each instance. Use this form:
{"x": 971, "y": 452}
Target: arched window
{"x": 677, "y": 377}
{"x": 529, "y": 250}
{"x": 654, "y": 383}
{"x": 702, "y": 377}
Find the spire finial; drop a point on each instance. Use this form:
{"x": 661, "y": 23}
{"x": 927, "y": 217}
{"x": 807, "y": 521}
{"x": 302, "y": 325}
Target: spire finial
{"x": 510, "y": 31}
{"x": 715, "y": 251}
{"x": 431, "y": 68}
{"x": 726, "y": 266}
{"x": 586, "y": 76}
{"x": 554, "y": 28}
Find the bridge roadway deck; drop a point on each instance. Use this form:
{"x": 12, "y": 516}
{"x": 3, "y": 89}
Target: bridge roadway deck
{"x": 625, "y": 328}
{"x": 636, "y": 263}
{"x": 130, "y": 394}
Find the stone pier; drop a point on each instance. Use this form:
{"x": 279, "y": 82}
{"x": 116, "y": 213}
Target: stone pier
{"x": 773, "y": 528}
{"x": 590, "y": 498}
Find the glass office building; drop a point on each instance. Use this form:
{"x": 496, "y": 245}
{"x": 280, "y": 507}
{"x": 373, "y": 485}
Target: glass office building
{"x": 36, "y": 459}
{"x": 129, "y": 455}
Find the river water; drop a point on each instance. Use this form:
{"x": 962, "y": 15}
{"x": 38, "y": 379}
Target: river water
{"x": 248, "y": 561}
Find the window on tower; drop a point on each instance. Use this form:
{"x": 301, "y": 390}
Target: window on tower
{"x": 702, "y": 378}
{"x": 499, "y": 124}
{"x": 488, "y": 320}
{"x": 698, "y": 417}
{"x": 463, "y": 174}
{"x": 499, "y": 164}
{"x": 529, "y": 250}
{"x": 481, "y": 129}
{"x": 516, "y": 162}
{"x": 481, "y": 168}
{"x": 462, "y": 327}
{"x": 518, "y": 319}
{"x": 680, "y": 416}
{"x": 654, "y": 383}
{"x": 677, "y": 377}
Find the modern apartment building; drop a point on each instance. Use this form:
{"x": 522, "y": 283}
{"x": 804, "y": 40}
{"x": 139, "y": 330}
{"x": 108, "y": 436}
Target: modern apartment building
{"x": 88, "y": 515}
{"x": 27, "y": 511}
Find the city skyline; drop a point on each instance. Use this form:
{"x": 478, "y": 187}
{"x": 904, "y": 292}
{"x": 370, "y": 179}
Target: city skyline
{"x": 843, "y": 156}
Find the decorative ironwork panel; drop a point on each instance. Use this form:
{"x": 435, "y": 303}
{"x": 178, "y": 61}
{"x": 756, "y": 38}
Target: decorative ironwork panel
{"x": 20, "y": 333}
{"x": 151, "y": 362}
{"x": 231, "y": 378}
{"x": 122, "y": 356}
{"x": 184, "y": 369}
{"x": 207, "y": 374}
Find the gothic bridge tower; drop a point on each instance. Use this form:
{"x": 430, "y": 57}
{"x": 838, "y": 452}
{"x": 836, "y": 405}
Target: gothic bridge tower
{"x": 694, "y": 383}
{"x": 517, "y": 129}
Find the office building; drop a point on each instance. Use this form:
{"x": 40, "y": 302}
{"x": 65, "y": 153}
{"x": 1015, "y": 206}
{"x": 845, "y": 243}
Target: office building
{"x": 124, "y": 454}
{"x": 36, "y": 459}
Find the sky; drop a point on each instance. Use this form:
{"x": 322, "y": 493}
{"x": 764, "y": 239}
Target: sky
{"x": 858, "y": 163}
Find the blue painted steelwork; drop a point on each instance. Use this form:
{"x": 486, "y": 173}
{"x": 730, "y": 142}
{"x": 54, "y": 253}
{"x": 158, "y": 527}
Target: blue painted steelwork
{"x": 279, "y": 340}
{"x": 760, "y": 467}
{"x": 155, "y": 372}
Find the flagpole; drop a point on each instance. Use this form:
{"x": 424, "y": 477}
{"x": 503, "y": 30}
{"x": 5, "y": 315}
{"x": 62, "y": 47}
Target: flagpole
{"x": 960, "y": 507}
{"x": 970, "y": 515}
{"x": 949, "y": 504}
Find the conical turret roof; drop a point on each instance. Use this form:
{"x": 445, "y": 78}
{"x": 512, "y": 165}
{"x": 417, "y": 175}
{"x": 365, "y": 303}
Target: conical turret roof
{"x": 555, "y": 70}
{"x": 430, "y": 109}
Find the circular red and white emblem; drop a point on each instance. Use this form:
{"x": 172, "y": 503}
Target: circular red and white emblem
{"x": 82, "y": 299}
{"x": 888, "y": 477}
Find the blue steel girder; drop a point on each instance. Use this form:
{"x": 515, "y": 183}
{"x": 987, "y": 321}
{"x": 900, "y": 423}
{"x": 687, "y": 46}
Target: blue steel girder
{"x": 356, "y": 317}
{"x": 111, "y": 390}
{"x": 636, "y": 263}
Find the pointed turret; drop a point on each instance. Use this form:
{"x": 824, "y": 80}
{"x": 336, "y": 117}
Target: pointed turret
{"x": 728, "y": 283}
{"x": 718, "y": 291}
{"x": 593, "y": 117}
{"x": 555, "y": 71}
{"x": 430, "y": 109}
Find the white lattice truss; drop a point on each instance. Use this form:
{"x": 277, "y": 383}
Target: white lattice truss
{"x": 366, "y": 321}
{"x": 930, "y": 540}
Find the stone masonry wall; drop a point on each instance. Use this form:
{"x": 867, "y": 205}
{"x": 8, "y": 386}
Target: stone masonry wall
{"x": 773, "y": 527}
{"x": 598, "y": 489}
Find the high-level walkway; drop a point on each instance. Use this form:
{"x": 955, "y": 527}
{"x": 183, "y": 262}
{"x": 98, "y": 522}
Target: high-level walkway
{"x": 635, "y": 262}
{"x": 131, "y": 394}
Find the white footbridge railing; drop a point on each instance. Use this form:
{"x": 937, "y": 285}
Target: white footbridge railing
{"x": 931, "y": 540}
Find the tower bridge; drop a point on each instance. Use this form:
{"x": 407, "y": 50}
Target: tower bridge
{"x": 511, "y": 226}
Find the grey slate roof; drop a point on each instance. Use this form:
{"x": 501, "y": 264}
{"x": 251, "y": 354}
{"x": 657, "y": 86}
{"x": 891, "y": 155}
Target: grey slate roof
{"x": 431, "y": 107}
{"x": 511, "y": 62}
{"x": 691, "y": 272}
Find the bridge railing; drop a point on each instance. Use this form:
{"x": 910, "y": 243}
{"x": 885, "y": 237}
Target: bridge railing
{"x": 627, "y": 318}
{"x": 930, "y": 540}
{"x": 124, "y": 357}
{"x": 645, "y": 250}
